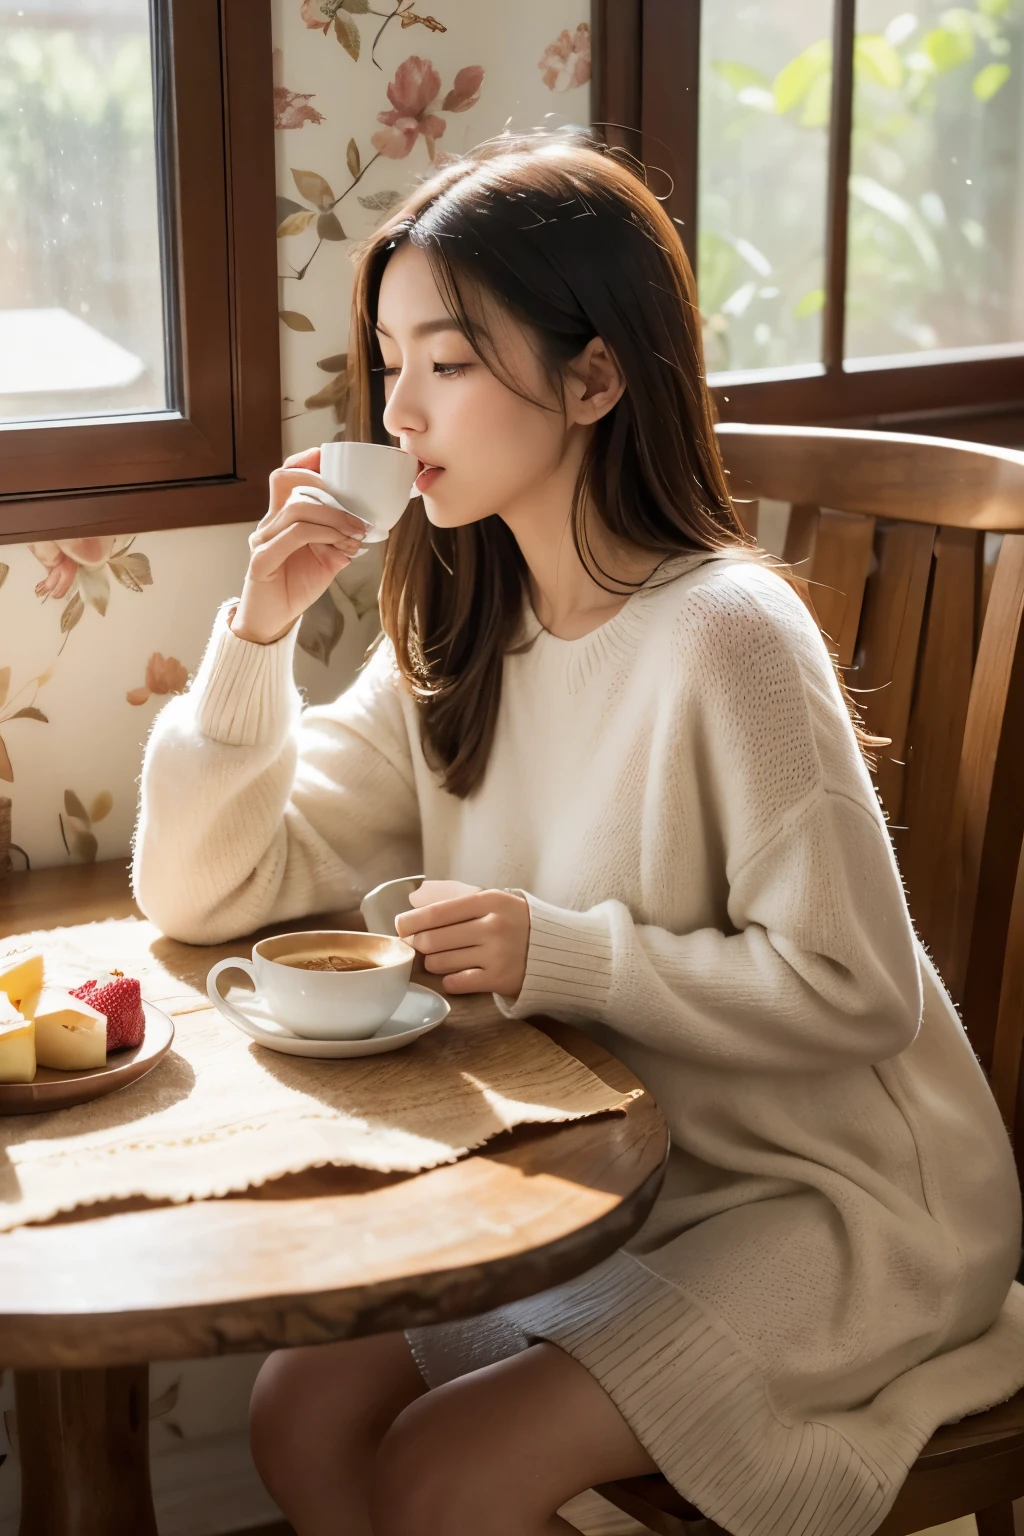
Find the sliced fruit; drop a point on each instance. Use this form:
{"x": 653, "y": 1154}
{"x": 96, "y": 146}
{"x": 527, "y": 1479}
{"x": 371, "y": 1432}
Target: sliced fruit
{"x": 119, "y": 997}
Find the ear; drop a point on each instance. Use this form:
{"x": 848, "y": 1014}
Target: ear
{"x": 593, "y": 383}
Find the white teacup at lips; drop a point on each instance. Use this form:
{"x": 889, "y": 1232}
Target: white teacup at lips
{"x": 370, "y": 480}
{"x": 322, "y": 1004}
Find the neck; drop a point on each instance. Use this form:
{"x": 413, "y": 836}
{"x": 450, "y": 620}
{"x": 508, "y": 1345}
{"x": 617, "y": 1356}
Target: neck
{"x": 565, "y": 598}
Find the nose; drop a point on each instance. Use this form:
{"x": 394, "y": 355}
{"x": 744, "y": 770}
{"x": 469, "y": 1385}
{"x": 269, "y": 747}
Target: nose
{"x": 403, "y": 412}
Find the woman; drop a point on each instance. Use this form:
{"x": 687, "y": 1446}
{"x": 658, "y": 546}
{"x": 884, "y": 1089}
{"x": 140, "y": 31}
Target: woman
{"x": 598, "y": 708}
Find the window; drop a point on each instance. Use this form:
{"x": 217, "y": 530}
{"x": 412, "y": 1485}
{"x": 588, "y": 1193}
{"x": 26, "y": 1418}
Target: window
{"x": 138, "y": 332}
{"x": 848, "y": 179}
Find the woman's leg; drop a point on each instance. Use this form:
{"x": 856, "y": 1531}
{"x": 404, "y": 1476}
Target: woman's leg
{"x": 316, "y": 1420}
{"x": 497, "y": 1452}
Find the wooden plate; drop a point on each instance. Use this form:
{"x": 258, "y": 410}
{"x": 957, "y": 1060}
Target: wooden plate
{"x": 59, "y": 1090}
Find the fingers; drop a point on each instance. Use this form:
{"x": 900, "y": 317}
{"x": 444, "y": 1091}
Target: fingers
{"x": 442, "y": 914}
{"x": 347, "y": 530}
{"x": 266, "y": 559}
{"x": 441, "y": 890}
{"x": 457, "y": 936}
{"x": 307, "y": 458}
{"x": 474, "y": 980}
{"x": 298, "y": 493}
{"x": 456, "y": 960}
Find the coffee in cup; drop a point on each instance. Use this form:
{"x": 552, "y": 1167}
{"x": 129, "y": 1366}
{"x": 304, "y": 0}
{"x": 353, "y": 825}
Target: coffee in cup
{"x": 323, "y": 985}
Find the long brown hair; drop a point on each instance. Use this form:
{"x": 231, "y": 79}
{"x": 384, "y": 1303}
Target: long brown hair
{"x": 574, "y": 243}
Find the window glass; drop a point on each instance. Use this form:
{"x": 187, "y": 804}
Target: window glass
{"x": 81, "y": 298}
{"x": 936, "y": 234}
{"x": 763, "y": 164}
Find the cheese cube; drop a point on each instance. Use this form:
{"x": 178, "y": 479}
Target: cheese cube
{"x": 21, "y": 975}
{"x": 17, "y": 1044}
{"x": 70, "y": 1035}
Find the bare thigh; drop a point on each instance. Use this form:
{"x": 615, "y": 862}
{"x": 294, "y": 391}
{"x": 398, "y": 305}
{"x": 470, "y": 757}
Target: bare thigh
{"x": 316, "y": 1420}
{"x": 498, "y": 1451}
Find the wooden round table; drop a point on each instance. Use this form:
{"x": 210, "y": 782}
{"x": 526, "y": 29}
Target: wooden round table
{"x": 328, "y": 1254}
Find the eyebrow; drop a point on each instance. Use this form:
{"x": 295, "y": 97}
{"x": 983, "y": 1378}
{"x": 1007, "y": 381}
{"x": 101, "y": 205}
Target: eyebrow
{"x": 425, "y": 327}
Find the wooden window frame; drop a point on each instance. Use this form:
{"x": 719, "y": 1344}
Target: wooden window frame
{"x": 646, "y": 87}
{"x": 207, "y": 460}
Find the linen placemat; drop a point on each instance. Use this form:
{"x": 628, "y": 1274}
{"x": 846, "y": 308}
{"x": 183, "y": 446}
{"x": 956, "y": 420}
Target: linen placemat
{"x": 222, "y": 1114}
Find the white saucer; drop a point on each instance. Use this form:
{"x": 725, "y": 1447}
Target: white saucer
{"x": 420, "y": 1011}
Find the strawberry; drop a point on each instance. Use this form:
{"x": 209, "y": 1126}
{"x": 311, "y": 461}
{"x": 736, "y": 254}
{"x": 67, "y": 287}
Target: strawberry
{"x": 120, "y": 998}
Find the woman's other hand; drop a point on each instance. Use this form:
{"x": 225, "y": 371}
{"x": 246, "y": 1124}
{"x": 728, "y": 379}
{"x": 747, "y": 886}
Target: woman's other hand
{"x": 477, "y": 943}
{"x": 295, "y": 552}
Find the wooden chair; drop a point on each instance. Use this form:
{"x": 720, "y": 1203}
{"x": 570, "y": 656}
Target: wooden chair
{"x": 912, "y": 551}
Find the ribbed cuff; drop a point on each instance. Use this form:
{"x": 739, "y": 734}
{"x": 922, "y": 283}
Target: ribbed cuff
{"x": 245, "y": 693}
{"x": 568, "y": 965}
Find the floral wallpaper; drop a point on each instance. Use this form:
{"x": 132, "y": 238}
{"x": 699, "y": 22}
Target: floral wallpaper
{"x": 96, "y": 633}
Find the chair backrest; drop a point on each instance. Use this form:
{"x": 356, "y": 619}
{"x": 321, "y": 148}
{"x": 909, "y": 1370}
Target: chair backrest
{"x": 912, "y": 549}
{"x": 1007, "y": 1073}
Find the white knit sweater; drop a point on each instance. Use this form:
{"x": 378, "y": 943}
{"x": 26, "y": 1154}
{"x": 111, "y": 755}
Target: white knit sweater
{"x": 712, "y": 893}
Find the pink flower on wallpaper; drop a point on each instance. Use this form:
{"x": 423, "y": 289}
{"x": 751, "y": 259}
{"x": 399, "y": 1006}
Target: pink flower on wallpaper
{"x": 465, "y": 91}
{"x": 164, "y": 674}
{"x": 566, "y": 62}
{"x": 414, "y": 89}
{"x": 313, "y": 15}
{"x": 62, "y": 558}
{"x": 292, "y": 109}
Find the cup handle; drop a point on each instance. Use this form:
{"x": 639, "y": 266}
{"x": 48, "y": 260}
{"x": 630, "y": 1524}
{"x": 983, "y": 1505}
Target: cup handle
{"x": 233, "y": 963}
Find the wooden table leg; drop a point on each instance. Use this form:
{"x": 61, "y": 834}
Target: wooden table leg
{"x": 83, "y": 1439}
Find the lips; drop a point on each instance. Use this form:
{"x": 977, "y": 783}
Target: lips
{"x": 428, "y": 473}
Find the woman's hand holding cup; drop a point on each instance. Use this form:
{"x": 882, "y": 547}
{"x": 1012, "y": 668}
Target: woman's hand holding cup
{"x": 295, "y": 552}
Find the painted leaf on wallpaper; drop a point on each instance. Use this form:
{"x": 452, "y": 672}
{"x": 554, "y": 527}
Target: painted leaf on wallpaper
{"x": 336, "y": 363}
{"x": 102, "y": 805}
{"x": 82, "y": 845}
{"x": 167, "y": 1400}
{"x": 314, "y": 188}
{"x": 287, "y": 205}
{"x": 76, "y": 822}
{"x": 409, "y": 18}
{"x": 16, "y": 711}
{"x": 74, "y": 807}
{"x": 380, "y": 202}
{"x": 3, "y": 572}
{"x": 347, "y": 33}
{"x": 355, "y": 7}
{"x": 94, "y": 585}
{"x": 352, "y": 158}
{"x": 71, "y": 613}
{"x": 334, "y": 394}
{"x": 292, "y": 109}
{"x": 565, "y": 63}
{"x": 321, "y": 628}
{"x": 328, "y": 227}
{"x": 295, "y": 321}
{"x": 295, "y": 223}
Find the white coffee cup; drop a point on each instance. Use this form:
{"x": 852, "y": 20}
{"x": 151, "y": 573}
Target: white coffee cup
{"x": 322, "y": 1005}
{"x": 370, "y": 480}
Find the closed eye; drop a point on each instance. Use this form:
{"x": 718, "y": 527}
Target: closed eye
{"x": 443, "y": 370}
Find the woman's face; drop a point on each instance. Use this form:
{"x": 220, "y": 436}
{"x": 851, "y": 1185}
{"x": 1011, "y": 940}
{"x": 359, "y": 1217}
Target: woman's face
{"x": 490, "y": 450}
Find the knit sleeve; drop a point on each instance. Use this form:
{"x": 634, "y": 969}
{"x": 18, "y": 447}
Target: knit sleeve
{"x": 253, "y": 811}
{"x": 811, "y": 962}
